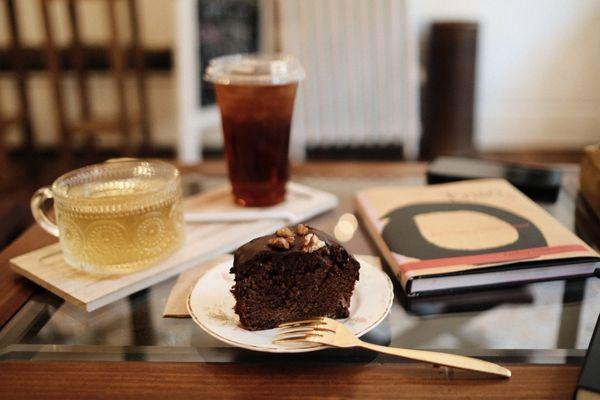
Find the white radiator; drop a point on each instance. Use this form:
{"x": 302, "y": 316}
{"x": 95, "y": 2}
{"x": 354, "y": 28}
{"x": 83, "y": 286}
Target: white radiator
{"x": 357, "y": 88}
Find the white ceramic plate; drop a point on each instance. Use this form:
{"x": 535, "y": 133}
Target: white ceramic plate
{"x": 210, "y": 305}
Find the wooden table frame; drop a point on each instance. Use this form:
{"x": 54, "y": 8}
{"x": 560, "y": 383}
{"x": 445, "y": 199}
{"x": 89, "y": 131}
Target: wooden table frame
{"x": 325, "y": 380}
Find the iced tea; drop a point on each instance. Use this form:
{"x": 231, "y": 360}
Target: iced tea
{"x": 256, "y": 124}
{"x": 256, "y": 95}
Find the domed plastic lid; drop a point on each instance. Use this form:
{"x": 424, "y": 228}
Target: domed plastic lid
{"x": 254, "y": 69}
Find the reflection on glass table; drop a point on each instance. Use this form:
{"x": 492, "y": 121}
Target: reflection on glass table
{"x": 548, "y": 322}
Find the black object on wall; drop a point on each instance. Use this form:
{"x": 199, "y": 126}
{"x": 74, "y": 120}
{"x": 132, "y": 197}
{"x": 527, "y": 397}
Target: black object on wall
{"x": 226, "y": 27}
{"x": 449, "y": 95}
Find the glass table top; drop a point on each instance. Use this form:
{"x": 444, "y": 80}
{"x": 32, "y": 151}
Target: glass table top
{"x": 550, "y": 322}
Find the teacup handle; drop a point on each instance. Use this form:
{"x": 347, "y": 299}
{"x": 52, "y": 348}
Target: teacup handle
{"x": 37, "y": 203}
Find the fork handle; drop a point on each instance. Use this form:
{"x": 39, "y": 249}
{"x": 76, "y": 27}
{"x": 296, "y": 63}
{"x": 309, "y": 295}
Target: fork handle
{"x": 448, "y": 360}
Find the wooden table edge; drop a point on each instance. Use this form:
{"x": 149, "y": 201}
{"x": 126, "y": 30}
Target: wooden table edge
{"x": 272, "y": 380}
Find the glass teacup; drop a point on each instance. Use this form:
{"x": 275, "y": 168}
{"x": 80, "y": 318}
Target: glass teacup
{"x": 115, "y": 217}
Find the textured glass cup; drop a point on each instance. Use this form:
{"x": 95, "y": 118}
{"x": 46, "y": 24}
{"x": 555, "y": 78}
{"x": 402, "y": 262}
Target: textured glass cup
{"x": 115, "y": 217}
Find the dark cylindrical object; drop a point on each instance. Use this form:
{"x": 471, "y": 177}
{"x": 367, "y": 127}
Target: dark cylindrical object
{"x": 448, "y": 101}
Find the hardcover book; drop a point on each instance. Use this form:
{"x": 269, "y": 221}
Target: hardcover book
{"x": 471, "y": 234}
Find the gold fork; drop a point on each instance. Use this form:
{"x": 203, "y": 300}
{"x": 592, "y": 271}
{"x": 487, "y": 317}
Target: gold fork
{"x": 332, "y": 333}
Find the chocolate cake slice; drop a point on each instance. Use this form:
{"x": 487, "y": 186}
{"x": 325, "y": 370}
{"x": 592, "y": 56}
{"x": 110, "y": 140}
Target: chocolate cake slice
{"x": 291, "y": 275}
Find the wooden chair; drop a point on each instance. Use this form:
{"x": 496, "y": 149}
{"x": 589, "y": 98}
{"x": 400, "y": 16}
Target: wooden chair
{"x": 87, "y": 125}
{"x": 22, "y": 117}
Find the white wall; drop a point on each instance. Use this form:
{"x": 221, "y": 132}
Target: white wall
{"x": 538, "y": 69}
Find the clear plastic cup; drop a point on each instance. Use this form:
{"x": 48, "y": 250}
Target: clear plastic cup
{"x": 256, "y": 94}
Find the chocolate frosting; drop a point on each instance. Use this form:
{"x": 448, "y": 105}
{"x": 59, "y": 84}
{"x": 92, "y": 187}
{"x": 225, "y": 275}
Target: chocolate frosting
{"x": 261, "y": 244}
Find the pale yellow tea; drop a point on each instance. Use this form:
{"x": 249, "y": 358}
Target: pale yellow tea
{"x": 117, "y": 237}
{"x": 118, "y": 218}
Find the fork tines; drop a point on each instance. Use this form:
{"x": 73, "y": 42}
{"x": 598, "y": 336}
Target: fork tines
{"x": 309, "y": 330}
